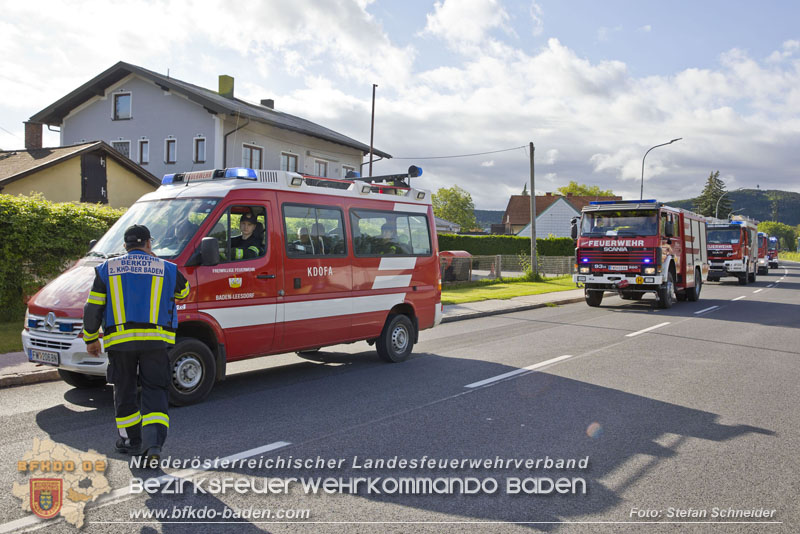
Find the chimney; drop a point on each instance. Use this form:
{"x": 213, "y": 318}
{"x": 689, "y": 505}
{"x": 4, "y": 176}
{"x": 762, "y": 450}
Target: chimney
{"x": 268, "y": 103}
{"x": 549, "y": 194}
{"x": 33, "y": 135}
{"x": 226, "y": 86}
{"x": 569, "y": 194}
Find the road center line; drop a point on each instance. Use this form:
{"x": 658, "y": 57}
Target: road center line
{"x": 758, "y": 290}
{"x": 706, "y": 310}
{"x": 632, "y": 334}
{"x": 738, "y": 298}
{"x": 517, "y": 372}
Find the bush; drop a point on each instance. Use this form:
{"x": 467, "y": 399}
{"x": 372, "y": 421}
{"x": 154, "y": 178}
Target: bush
{"x": 491, "y": 245}
{"x": 38, "y": 240}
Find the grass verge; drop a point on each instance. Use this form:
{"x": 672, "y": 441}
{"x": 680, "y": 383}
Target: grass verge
{"x": 486, "y": 289}
{"x": 10, "y": 339}
{"x": 789, "y": 256}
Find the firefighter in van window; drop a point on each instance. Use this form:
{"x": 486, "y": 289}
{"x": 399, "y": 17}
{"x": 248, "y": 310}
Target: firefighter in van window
{"x": 133, "y": 299}
{"x": 250, "y": 243}
{"x": 389, "y": 241}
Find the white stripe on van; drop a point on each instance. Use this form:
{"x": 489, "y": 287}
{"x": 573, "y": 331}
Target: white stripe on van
{"x": 397, "y": 264}
{"x": 386, "y": 282}
{"x": 413, "y": 208}
{"x": 234, "y": 317}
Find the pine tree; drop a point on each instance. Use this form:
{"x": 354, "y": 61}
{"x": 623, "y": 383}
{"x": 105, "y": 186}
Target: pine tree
{"x": 706, "y": 203}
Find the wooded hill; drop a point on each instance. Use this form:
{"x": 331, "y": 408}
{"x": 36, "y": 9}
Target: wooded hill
{"x": 762, "y": 205}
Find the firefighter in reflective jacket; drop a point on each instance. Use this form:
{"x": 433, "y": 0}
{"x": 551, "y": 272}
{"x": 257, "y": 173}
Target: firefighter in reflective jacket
{"x": 133, "y": 298}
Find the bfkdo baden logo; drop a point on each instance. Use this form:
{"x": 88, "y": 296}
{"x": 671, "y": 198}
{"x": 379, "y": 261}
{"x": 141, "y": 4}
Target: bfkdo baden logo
{"x": 56, "y": 480}
{"x": 46, "y": 496}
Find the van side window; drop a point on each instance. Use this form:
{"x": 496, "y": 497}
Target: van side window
{"x": 241, "y": 233}
{"x": 313, "y": 231}
{"x": 388, "y": 233}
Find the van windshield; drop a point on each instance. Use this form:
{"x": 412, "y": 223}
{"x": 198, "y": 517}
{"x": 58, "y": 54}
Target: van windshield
{"x": 619, "y": 222}
{"x": 172, "y": 223}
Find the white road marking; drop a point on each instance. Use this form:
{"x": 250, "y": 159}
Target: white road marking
{"x": 706, "y": 310}
{"x": 517, "y": 372}
{"x": 771, "y": 285}
{"x": 646, "y": 329}
{"x": 738, "y": 298}
{"x": 758, "y": 290}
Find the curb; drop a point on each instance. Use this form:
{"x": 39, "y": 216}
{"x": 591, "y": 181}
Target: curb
{"x": 477, "y": 315}
{"x": 23, "y": 379}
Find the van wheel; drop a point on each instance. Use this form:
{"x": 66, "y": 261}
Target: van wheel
{"x": 694, "y": 292}
{"x": 192, "y": 371}
{"x": 81, "y": 380}
{"x": 396, "y": 340}
{"x": 743, "y": 279}
{"x": 666, "y": 295}
{"x": 593, "y": 298}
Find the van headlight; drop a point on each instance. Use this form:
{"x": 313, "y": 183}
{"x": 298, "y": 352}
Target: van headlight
{"x": 649, "y": 270}
{"x": 584, "y": 270}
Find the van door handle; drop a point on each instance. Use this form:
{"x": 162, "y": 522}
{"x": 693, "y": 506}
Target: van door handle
{"x": 265, "y": 276}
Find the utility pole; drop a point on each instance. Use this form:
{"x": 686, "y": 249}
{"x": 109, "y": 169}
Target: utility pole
{"x": 372, "y": 128}
{"x": 534, "y": 262}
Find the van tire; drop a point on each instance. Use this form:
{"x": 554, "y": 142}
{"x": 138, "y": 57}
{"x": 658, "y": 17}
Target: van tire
{"x": 193, "y": 371}
{"x": 396, "y": 340}
{"x": 81, "y": 380}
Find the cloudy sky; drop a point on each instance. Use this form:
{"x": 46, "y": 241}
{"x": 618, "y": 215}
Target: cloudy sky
{"x": 592, "y": 84}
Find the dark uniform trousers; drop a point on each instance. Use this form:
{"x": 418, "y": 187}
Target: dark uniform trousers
{"x": 151, "y": 424}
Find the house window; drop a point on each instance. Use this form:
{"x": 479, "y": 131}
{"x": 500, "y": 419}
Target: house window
{"x": 346, "y": 169}
{"x": 144, "y": 152}
{"x": 288, "y": 162}
{"x": 320, "y": 168}
{"x": 122, "y": 106}
{"x": 251, "y": 156}
{"x": 199, "y": 149}
{"x": 171, "y": 151}
{"x": 123, "y": 147}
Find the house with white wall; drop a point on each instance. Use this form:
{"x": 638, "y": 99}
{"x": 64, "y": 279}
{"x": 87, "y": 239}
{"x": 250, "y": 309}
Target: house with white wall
{"x": 167, "y": 125}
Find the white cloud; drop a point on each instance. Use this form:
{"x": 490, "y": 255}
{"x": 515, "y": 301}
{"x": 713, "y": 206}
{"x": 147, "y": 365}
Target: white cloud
{"x": 489, "y": 163}
{"x": 647, "y": 28}
{"x": 464, "y": 24}
{"x": 604, "y": 32}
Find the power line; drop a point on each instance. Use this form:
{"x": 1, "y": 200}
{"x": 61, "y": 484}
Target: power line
{"x": 468, "y": 155}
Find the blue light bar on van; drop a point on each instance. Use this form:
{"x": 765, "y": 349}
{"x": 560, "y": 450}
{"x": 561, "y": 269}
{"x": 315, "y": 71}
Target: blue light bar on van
{"x": 213, "y": 174}
{"x": 648, "y": 201}
{"x": 241, "y": 172}
{"x": 775, "y": 239}
{"x": 736, "y": 222}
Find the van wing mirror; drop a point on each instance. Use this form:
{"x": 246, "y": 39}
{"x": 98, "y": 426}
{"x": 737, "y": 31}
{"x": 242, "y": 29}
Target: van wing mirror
{"x": 574, "y": 223}
{"x": 92, "y": 243}
{"x": 669, "y": 229}
{"x": 209, "y": 251}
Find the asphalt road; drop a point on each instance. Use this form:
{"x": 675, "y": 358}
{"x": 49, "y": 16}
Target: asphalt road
{"x": 690, "y": 409}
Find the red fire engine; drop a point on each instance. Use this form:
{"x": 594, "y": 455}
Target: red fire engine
{"x": 763, "y": 258}
{"x": 637, "y": 246}
{"x": 329, "y": 262}
{"x": 772, "y": 252}
{"x": 733, "y": 249}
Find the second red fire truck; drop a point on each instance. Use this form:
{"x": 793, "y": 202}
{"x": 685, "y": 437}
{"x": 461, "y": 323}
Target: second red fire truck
{"x": 638, "y": 246}
{"x": 733, "y": 249}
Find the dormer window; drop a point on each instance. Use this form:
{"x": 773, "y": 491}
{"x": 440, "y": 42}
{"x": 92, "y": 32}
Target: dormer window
{"x": 122, "y": 106}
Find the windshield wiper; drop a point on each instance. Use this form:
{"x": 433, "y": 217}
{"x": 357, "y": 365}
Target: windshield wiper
{"x": 98, "y": 254}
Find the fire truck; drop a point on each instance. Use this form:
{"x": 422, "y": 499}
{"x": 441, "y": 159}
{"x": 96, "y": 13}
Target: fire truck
{"x": 763, "y": 259}
{"x": 772, "y": 252}
{"x": 337, "y": 261}
{"x": 733, "y": 249}
{"x": 638, "y": 246}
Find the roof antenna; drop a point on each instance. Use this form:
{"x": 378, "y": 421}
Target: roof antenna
{"x": 167, "y": 73}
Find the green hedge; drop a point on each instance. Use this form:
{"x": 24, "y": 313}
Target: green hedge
{"x": 38, "y": 240}
{"x": 491, "y": 245}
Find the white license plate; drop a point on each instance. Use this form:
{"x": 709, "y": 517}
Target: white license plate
{"x": 617, "y": 267}
{"x": 44, "y": 356}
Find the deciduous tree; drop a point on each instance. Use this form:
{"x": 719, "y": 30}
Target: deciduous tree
{"x": 455, "y": 205}
{"x": 582, "y": 190}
